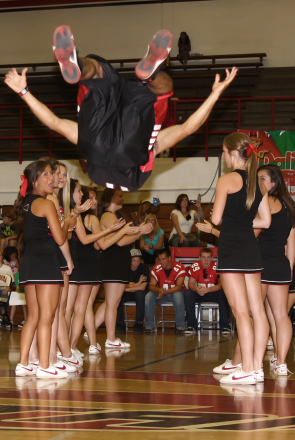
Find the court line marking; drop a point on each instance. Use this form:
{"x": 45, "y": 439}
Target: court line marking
{"x": 180, "y": 354}
{"x": 63, "y": 435}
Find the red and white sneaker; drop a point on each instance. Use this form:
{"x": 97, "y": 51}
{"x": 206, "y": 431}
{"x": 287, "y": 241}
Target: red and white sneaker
{"x": 273, "y": 361}
{"x": 226, "y": 368}
{"x": 50, "y": 372}
{"x": 282, "y": 370}
{"x": 73, "y": 361}
{"x": 77, "y": 353}
{"x": 62, "y": 366}
{"x": 260, "y": 375}
{"x": 269, "y": 345}
{"x": 158, "y": 50}
{"x": 24, "y": 370}
{"x": 94, "y": 349}
{"x": 239, "y": 377}
{"x": 116, "y": 344}
{"x": 65, "y": 52}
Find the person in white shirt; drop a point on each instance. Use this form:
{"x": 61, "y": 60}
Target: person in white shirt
{"x": 183, "y": 219}
{"x": 4, "y": 270}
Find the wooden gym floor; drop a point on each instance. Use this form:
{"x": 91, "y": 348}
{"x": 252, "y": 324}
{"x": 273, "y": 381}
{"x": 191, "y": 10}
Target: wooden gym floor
{"x": 163, "y": 388}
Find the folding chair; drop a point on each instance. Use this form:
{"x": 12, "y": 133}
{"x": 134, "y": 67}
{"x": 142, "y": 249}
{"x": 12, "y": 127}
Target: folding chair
{"x": 5, "y": 281}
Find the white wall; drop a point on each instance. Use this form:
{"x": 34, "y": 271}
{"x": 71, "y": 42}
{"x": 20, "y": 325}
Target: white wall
{"x": 215, "y": 27}
{"x": 187, "y": 175}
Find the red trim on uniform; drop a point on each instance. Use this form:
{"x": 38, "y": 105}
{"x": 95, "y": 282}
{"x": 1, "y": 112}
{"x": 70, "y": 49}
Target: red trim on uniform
{"x": 82, "y": 92}
{"x": 150, "y": 164}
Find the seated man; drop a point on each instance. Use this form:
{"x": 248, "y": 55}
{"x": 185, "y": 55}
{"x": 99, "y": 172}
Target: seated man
{"x": 165, "y": 286}
{"x": 119, "y": 121}
{"x": 205, "y": 286}
{"x": 9, "y": 232}
{"x": 135, "y": 291}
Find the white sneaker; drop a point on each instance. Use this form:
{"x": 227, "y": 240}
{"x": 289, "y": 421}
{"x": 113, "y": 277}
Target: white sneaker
{"x": 269, "y": 345}
{"x": 260, "y": 375}
{"x": 77, "y": 353}
{"x": 50, "y": 372}
{"x": 239, "y": 377}
{"x": 93, "y": 349}
{"x": 226, "y": 368}
{"x": 116, "y": 344}
{"x": 73, "y": 361}
{"x": 282, "y": 370}
{"x": 273, "y": 361}
{"x": 23, "y": 370}
{"x": 59, "y": 354}
{"x": 62, "y": 366}
{"x": 35, "y": 364}
{"x": 86, "y": 339}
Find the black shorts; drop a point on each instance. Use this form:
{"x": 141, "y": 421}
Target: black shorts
{"x": 118, "y": 123}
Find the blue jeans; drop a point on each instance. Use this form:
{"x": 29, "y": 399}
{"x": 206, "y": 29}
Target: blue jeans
{"x": 178, "y": 305}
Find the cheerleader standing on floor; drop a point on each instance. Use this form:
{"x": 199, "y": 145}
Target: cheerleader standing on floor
{"x": 40, "y": 272}
{"x": 88, "y": 231}
{"x": 239, "y": 196}
{"x": 115, "y": 266}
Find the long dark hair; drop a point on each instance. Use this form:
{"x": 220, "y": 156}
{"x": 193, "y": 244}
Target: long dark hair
{"x": 73, "y": 183}
{"x": 186, "y": 41}
{"x": 32, "y": 173}
{"x": 85, "y": 197}
{"x": 280, "y": 190}
{"x": 93, "y": 211}
{"x": 106, "y": 200}
{"x": 179, "y": 200}
{"x": 54, "y": 163}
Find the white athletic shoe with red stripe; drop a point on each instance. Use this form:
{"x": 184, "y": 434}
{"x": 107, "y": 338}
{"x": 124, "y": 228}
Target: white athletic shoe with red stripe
{"x": 158, "y": 50}
{"x": 50, "y": 372}
{"x": 116, "y": 344}
{"x": 240, "y": 377}
{"x": 226, "y": 368}
{"x": 62, "y": 366}
{"x": 24, "y": 370}
{"x": 65, "y": 52}
{"x": 73, "y": 361}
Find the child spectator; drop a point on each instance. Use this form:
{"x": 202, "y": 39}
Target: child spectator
{"x": 184, "y": 47}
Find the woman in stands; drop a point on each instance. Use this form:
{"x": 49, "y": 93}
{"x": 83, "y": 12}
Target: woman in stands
{"x": 183, "y": 219}
{"x": 151, "y": 243}
{"x": 115, "y": 265}
{"x": 40, "y": 272}
{"x": 239, "y": 195}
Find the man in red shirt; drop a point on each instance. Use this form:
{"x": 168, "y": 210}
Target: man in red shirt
{"x": 166, "y": 286}
{"x": 205, "y": 286}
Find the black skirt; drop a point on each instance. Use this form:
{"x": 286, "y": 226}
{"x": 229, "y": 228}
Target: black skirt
{"x": 40, "y": 267}
{"x": 115, "y": 264}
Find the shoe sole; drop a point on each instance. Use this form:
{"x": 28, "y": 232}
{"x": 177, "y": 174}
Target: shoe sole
{"x": 158, "y": 50}
{"x": 63, "y": 49}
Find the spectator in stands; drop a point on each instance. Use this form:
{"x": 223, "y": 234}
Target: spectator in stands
{"x": 184, "y": 47}
{"x": 5, "y": 270}
{"x": 11, "y": 259}
{"x": 151, "y": 244}
{"x": 166, "y": 286}
{"x": 205, "y": 286}
{"x": 183, "y": 219}
{"x": 135, "y": 291}
{"x": 145, "y": 208}
{"x": 9, "y": 232}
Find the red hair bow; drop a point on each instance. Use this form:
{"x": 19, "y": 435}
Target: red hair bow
{"x": 23, "y": 189}
{"x": 250, "y": 149}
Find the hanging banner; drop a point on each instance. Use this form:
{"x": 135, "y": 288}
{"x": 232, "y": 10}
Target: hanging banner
{"x": 277, "y": 147}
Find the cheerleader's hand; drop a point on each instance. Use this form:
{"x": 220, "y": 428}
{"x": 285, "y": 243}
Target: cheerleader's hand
{"x": 70, "y": 267}
{"x": 131, "y": 229}
{"x": 146, "y": 228}
{"x": 205, "y": 227}
{"x": 71, "y": 222}
{"x": 83, "y": 208}
{"x": 118, "y": 224}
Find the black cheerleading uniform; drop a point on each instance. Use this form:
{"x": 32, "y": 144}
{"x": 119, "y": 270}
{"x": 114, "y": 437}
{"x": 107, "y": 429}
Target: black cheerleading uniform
{"x": 62, "y": 261}
{"x": 89, "y": 262}
{"x": 292, "y": 286}
{"x": 238, "y": 249}
{"x": 74, "y": 278}
{"x": 40, "y": 263}
{"x": 115, "y": 264}
{"x": 272, "y": 242}
{"x": 118, "y": 123}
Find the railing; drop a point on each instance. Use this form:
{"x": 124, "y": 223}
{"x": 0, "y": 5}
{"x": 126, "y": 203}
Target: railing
{"x": 175, "y": 105}
{"x": 207, "y": 131}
